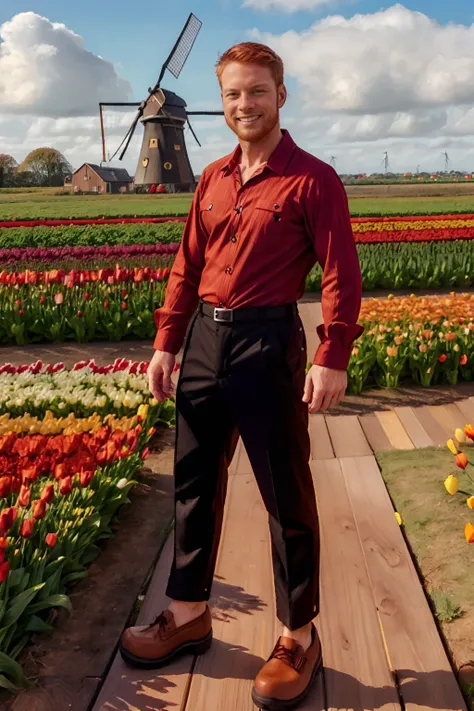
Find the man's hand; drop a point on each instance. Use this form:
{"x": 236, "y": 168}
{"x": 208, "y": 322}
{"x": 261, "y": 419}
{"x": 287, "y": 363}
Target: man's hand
{"x": 324, "y": 387}
{"x": 159, "y": 375}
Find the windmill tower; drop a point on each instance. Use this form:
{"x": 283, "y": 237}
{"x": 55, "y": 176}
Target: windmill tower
{"x": 385, "y": 162}
{"x": 164, "y": 157}
{"x": 332, "y": 162}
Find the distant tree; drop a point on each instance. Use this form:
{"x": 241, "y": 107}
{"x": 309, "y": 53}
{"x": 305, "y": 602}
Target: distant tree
{"x": 7, "y": 170}
{"x": 47, "y": 166}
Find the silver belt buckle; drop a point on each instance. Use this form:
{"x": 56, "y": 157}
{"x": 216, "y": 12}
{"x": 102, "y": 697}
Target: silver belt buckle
{"x": 223, "y": 315}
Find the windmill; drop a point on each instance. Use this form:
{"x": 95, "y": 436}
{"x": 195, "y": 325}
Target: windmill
{"x": 332, "y": 162}
{"x": 385, "y": 161}
{"x": 446, "y": 161}
{"x": 163, "y": 157}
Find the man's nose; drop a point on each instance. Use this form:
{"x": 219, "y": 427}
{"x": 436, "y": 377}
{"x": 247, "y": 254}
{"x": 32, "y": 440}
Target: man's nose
{"x": 246, "y": 101}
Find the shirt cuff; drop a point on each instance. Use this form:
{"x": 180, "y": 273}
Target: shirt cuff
{"x": 336, "y": 344}
{"x": 167, "y": 342}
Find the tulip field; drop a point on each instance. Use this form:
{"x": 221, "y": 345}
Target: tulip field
{"x": 73, "y": 441}
{"x": 71, "y": 444}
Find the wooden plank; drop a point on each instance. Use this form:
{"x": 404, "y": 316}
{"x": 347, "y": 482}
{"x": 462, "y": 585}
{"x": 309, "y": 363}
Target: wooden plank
{"x": 417, "y": 433}
{"x": 467, "y": 409}
{"x": 234, "y": 465}
{"x": 127, "y": 689}
{"x": 321, "y": 447}
{"x": 245, "y": 628}
{"x": 357, "y": 674}
{"x": 394, "y": 430}
{"x": 417, "y": 656}
{"x": 347, "y": 436}
{"x": 448, "y": 416}
{"x": 375, "y": 433}
{"x": 431, "y": 425}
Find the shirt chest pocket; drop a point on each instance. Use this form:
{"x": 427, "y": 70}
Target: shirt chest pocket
{"x": 271, "y": 218}
{"x": 215, "y": 215}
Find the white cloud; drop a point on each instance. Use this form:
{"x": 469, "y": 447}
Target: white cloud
{"x": 45, "y": 70}
{"x": 389, "y": 61}
{"x": 287, "y": 5}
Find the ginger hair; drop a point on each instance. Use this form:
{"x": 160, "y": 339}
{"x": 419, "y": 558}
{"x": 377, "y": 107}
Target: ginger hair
{"x": 252, "y": 53}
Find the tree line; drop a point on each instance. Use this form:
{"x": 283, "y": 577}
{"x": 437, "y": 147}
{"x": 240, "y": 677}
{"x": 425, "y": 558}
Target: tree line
{"x": 42, "y": 168}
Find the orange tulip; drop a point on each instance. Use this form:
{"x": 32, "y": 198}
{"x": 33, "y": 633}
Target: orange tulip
{"x": 461, "y": 460}
{"x": 469, "y": 431}
{"x": 463, "y": 360}
{"x": 470, "y": 502}
{"x": 38, "y": 509}
{"x": 469, "y": 532}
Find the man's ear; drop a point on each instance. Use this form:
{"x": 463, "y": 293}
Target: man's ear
{"x": 282, "y": 95}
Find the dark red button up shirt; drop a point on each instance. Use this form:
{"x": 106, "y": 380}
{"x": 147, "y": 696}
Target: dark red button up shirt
{"x": 254, "y": 245}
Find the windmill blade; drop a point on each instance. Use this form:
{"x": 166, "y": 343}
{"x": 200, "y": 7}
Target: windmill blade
{"x": 180, "y": 52}
{"x": 108, "y": 103}
{"x": 192, "y": 131}
{"x": 205, "y": 113}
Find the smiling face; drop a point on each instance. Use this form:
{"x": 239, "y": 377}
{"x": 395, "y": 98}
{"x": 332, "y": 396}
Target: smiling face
{"x": 251, "y": 100}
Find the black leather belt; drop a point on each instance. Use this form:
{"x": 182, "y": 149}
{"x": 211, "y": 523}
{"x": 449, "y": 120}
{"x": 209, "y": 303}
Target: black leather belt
{"x": 250, "y": 314}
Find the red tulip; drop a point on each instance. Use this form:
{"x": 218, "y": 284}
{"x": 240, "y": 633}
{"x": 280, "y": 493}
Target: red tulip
{"x": 38, "y": 509}
{"x": 442, "y": 358}
{"x": 18, "y": 302}
{"x": 21, "y": 312}
{"x": 87, "y": 296}
{"x": 27, "y": 527}
{"x": 51, "y": 539}
{"x": 106, "y": 304}
{"x": 145, "y": 453}
{"x": 124, "y": 305}
{"x": 24, "y": 497}
{"x": 3, "y": 543}
{"x": 5, "y": 486}
{"x": 65, "y": 486}
{"x": 47, "y": 494}
{"x": 86, "y": 477}
{"x": 7, "y": 518}
{"x": 123, "y": 293}
{"x": 463, "y": 360}
{"x": 42, "y": 299}
{"x": 4, "y": 570}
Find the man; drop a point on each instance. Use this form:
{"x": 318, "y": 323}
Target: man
{"x": 260, "y": 219}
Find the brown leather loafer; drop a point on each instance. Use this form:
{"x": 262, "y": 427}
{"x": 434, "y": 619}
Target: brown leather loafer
{"x": 158, "y": 644}
{"x": 286, "y": 677}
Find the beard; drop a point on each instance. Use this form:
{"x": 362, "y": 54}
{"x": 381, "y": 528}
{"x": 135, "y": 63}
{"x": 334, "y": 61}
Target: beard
{"x": 254, "y": 133}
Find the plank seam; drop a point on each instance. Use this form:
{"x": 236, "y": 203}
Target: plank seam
{"x": 369, "y": 578}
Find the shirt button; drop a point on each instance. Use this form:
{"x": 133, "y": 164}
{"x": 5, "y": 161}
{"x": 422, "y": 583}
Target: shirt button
{"x": 221, "y": 304}
{"x": 233, "y": 239}
{"x": 228, "y": 270}
{"x": 276, "y": 206}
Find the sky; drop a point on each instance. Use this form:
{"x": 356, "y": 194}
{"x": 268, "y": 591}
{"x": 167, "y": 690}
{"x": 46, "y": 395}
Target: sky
{"x": 364, "y": 76}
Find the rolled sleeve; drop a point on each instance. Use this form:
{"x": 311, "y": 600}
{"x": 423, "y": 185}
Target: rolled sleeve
{"x": 341, "y": 287}
{"x": 181, "y": 299}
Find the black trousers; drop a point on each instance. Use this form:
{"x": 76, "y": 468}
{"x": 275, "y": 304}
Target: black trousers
{"x": 247, "y": 379}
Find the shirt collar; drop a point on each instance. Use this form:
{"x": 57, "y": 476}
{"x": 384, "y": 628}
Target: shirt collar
{"x": 277, "y": 162}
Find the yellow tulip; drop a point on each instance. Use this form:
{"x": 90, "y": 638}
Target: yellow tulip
{"x": 143, "y": 411}
{"x": 451, "y": 484}
{"x": 460, "y": 436}
{"x": 451, "y": 446}
{"x": 399, "y": 518}
{"x": 470, "y": 502}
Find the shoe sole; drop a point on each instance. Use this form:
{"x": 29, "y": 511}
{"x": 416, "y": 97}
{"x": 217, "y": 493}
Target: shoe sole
{"x": 266, "y": 703}
{"x": 197, "y": 648}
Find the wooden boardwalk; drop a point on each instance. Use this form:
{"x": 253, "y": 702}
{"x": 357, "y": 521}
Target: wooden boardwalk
{"x": 381, "y": 646}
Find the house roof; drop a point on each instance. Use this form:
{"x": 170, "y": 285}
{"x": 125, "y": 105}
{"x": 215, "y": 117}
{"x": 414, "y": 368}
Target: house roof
{"x": 110, "y": 175}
